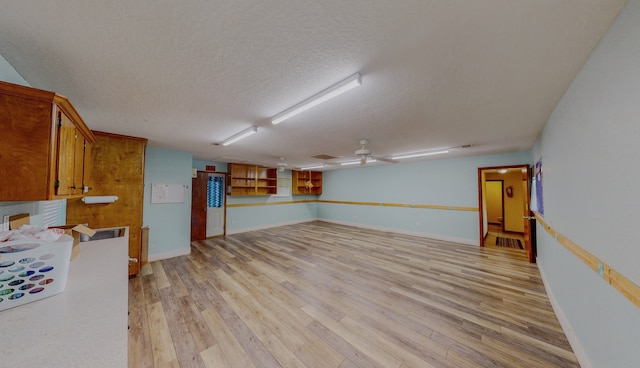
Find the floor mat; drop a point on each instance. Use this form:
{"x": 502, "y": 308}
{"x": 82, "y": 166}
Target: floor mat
{"x": 508, "y": 242}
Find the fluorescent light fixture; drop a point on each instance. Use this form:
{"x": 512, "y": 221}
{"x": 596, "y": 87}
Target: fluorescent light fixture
{"x": 357, "y": 162}
{"x": 400, "y": 157}
{"x": 229, "y": 159}
{"x": 312, "y": 167}
{"x": 243, "y": 134}
{"x": 329, "y": 93}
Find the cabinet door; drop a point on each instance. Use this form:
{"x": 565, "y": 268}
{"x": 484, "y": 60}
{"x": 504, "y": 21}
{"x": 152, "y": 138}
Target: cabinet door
{"x": 78, "y": 166}
{"x": 66, "y": 144}
{"x": 25, "y": 149}
{"x": 86, "y": 169}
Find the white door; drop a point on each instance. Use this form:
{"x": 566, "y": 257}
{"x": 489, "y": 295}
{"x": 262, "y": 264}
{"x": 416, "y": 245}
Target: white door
{"x": 215, "y": 204}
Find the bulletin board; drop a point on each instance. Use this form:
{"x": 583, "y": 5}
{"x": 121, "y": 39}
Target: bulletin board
{"x": 168, "y": 193}
{"x": 538, "y": 183}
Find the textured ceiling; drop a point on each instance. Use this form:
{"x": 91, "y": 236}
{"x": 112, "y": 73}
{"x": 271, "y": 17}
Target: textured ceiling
{"x": 188, "y": 74}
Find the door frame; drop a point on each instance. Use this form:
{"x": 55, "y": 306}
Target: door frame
{"x": 195, "y": 208}
{"x": 529, "y": 247}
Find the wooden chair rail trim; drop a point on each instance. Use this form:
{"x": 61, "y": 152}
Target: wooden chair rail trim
{"x": 377, "y": 204}
{"x": 253, "y": 204}
{"x": 408, "y": 205}
{"x": 623, "y": 285}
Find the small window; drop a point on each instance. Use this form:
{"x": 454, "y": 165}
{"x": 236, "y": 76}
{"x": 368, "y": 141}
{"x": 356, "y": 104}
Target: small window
{"x": 284, "y": 187}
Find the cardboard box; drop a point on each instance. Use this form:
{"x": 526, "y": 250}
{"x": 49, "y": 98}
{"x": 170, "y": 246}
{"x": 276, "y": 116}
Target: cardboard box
{"x": 75, "y": 231}
{"x": 18, "y": 220}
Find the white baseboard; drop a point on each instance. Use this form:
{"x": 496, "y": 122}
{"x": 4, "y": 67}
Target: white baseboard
{"x": 582, "y": 357}
{"x": 451, "y": 239}
{"x": 172, "y": 254}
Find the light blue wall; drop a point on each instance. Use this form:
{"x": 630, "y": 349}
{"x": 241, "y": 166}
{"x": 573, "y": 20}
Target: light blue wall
{"x": 589, "y": 149}
{"x": 265, "y": 213}
{"x": 9, "y": 74}
{"x": 241, "y": 219}
{"x": 202, "y": 165}
{"x": 447, "y": 182}
{"x": 169, "y": 223}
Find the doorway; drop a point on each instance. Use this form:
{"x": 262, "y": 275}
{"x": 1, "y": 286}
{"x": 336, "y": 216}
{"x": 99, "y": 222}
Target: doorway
{"x": 505, "y": 189}
{"x": 208, "y": 205}
{"x": 495, "y": 203}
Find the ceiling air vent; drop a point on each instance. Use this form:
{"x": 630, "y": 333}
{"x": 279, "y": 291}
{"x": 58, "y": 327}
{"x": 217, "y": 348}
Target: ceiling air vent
{"x": 324, "y": 156}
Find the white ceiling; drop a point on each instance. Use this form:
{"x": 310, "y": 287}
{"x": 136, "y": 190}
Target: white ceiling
{"x": 188, "y": 74}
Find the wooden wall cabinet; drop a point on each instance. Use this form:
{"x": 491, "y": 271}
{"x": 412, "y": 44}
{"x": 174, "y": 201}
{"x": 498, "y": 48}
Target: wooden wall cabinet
{"x": 118, "y": 169}
{"x": 74, "y": 158}
{"x": 300, "y": 182}
{"x": 253, "y": 180}
{"x": 44, "y": 148}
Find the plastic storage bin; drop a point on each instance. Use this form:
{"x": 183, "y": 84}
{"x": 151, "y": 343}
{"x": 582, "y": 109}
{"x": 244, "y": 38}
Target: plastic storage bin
{"x": 32, "y": 269}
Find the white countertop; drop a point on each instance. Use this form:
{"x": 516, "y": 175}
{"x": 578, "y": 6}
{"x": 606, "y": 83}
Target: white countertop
{"x": 85, "y": 325}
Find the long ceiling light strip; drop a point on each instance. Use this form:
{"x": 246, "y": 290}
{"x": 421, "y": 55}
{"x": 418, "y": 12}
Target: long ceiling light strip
{"x": 329, "y": 93}
{"x": 400, "y": 157}
{"x": 369, "y": 161}
{"x": 312, "y": 167}
{"x": 243, "y": 134}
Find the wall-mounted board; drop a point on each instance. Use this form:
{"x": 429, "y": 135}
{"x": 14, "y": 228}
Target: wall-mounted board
{"x": 168, "y": 193}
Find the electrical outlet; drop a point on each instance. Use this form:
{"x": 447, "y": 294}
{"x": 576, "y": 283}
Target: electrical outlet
{"x": 5, "y": 223}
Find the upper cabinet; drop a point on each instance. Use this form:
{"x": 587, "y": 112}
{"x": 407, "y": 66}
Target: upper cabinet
{"x": 45, "y": 146}
{"x": 306, "y": 182}
{"x": 252, "y": 180}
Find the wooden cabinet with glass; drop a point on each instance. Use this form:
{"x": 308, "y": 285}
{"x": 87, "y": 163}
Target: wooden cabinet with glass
{"x": 306, "y": 182}
{"x": 252, "y": 180}
{"x": 44, "y": 148}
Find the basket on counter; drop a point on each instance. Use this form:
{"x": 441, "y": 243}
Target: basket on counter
{"x": 32, "y": 269}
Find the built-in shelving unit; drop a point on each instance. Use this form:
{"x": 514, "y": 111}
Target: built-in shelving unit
{"x": 306, "y": 182}
{"x": 253, "y": 180}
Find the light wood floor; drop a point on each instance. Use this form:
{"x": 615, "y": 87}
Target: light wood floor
{"x": 324, "y": 295}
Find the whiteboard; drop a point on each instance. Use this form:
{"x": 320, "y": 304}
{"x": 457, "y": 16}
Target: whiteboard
{"x": 167, "y": 193}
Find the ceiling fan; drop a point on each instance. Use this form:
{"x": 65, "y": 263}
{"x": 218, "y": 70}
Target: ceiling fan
{"x": 281, "y": 164}
{"x": 365, "y": 155}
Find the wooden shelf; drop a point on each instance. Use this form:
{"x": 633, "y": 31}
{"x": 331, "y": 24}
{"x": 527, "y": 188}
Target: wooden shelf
{"x": 306, "y": 182}
{"x": 254, "y": 180}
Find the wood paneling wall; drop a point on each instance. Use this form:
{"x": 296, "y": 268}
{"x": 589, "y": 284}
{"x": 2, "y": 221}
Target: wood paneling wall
{"x": 117, "y": 169}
